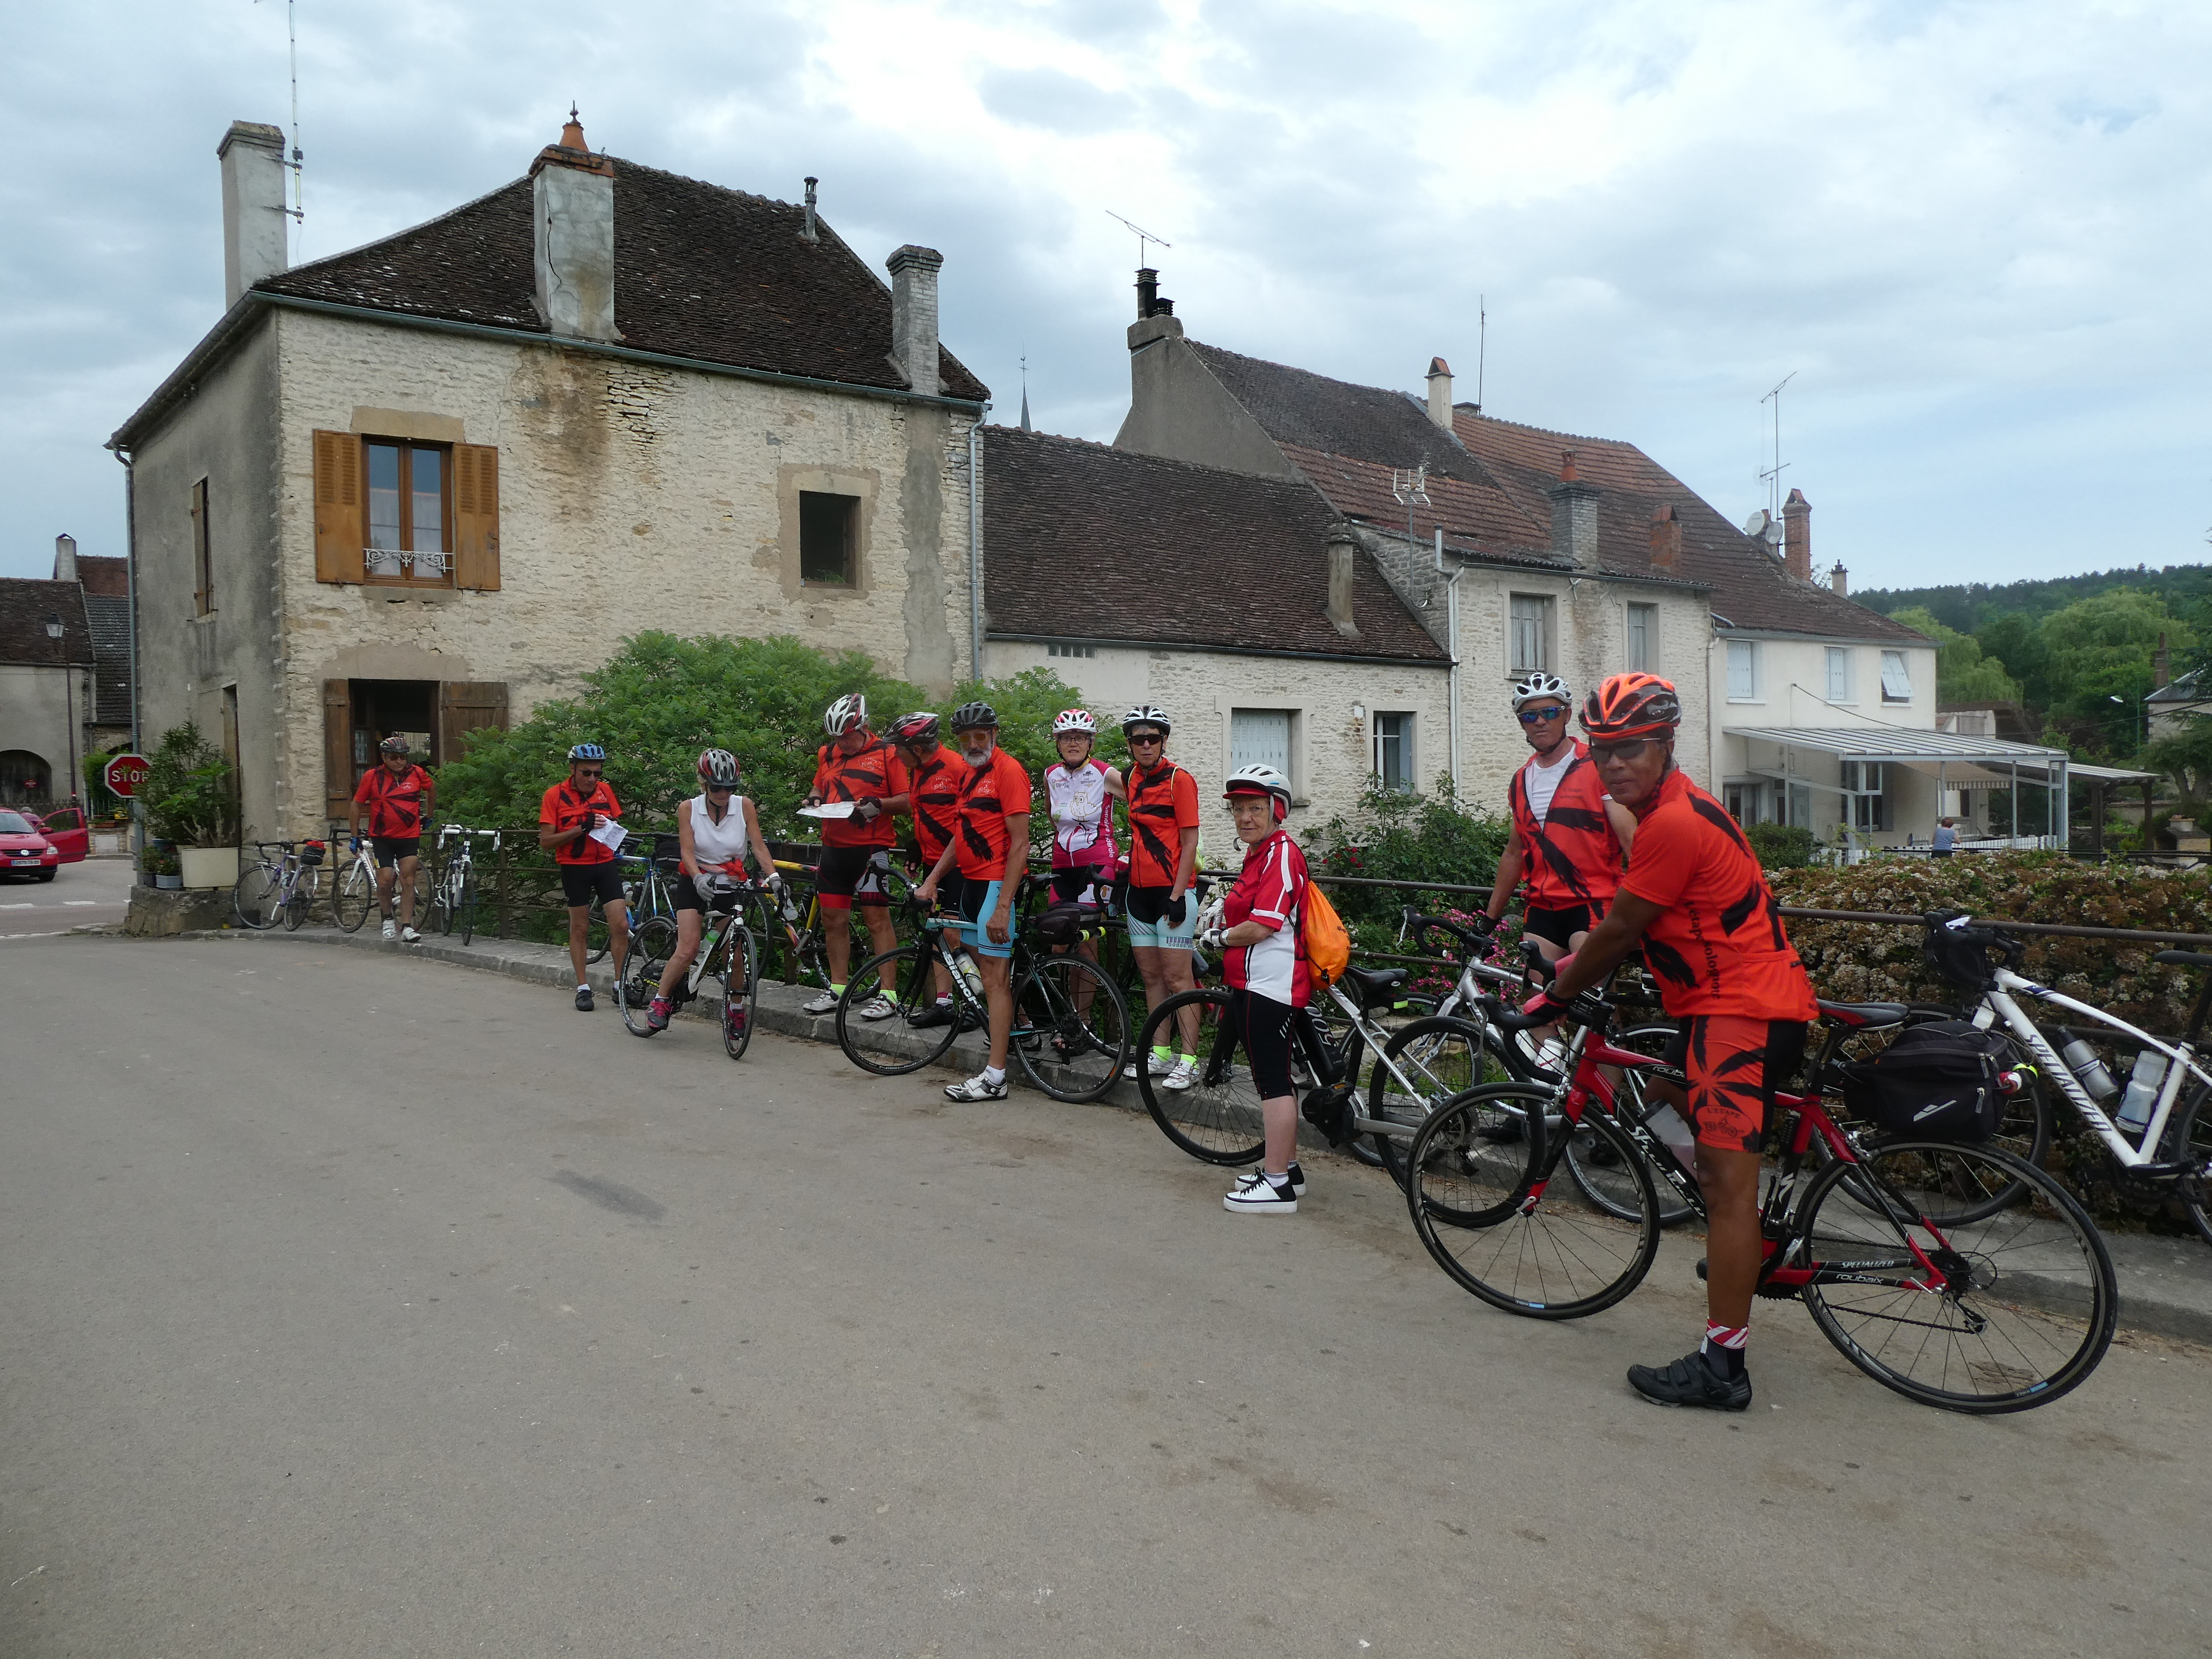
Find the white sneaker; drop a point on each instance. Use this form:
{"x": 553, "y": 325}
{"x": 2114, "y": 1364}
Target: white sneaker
{"x": 877, "y": 1007}
{"x": 409, "y": 936}
{"x": 1185, "y": 1073}
{"x": 391, "y": 929}
{"x": 824, "y": 1004}
{"x": 1257, "y": 1195}
{"x": 977, "y": 1087}
{"x": 1154, "y": 1065}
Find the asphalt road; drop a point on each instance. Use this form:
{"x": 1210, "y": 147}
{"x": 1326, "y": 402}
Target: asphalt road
{"x": 81, "y": 894}
{"x": 356, "y": 1305}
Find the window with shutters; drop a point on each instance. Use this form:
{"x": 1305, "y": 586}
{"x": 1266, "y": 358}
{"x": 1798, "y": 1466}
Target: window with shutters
{"x": 1643, "y": 638}
{"x": 405, "y": 513}
{"x": 1840, "y": 688}
{"x": 202, "y": 554}
{"x": 1896, "y": 678}
{"x": 1263, "y": 736}
{"x": 410, "y": 510}
{"x": 1743, "y": 670}
{"x": 1529, "y": 643}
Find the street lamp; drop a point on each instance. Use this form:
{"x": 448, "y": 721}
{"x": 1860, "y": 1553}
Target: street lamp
{"x": 2143, "y": 721}
{"x": 69, "y": 701}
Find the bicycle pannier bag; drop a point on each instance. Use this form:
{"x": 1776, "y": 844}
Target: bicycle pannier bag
{"x": 1328, "y": 947}
{"x": 1935, "y": 1082}
{"x": 311, "y": 852}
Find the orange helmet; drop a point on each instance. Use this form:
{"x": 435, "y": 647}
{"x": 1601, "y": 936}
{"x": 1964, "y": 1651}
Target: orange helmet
{"x": 1632, "y": 706}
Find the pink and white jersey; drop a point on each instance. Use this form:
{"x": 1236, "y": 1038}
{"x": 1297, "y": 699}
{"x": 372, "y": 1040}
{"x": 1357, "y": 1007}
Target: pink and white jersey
{"x": 1082, "y": 815}
{"x": 1271, "y": 890}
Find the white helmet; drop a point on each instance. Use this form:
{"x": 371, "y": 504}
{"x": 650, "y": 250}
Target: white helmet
{"x": 1260, "y": 779}
{"x": 1535, "y": 688}
{"x": 1078, "y": 721}
{"x": 1145, "y": 714}
{"x": 848, "y": 711}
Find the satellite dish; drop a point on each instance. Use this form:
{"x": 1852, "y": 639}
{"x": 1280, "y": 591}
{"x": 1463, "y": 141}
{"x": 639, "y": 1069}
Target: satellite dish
{"x": 1756, "y": 524}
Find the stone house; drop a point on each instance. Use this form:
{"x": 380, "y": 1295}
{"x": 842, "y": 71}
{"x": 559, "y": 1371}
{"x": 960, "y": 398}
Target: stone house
{"x": 1244, "y": 605}
{"x": 423, "y": 486}
{"x": 47, "y": 691}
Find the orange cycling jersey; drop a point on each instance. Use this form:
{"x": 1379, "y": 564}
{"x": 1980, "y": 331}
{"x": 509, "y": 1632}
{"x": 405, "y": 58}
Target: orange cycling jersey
{"x": 1163, "y": 804}
{"x": 875, "y": 773}
{"x": 395, "y": 805}
{"x": 1572, "y": 857}
{"x": 933, "y": 790}
{"x": 1717, "y": 946}
{"x": 988, "y": 795}
{"x": 564, "y": 808}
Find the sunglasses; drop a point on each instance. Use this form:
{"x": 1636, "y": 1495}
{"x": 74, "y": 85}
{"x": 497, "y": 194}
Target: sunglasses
{"x": 1538, "y": 716}
{"x": 598, "y": 773}
{"x": 1136, "y": 738}
{"x": 720, "y": 788}
{"x": 1602, "y": 752}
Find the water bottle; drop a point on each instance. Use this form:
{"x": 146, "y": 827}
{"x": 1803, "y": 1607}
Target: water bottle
{"x": 1667, "y": 1123}
{"x": 2141, "y": 1095}
{"x": 970, "y": 975}
{"x": 2082, "y": 1060}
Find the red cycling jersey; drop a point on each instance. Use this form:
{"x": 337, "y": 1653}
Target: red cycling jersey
{"x": 1572, "y": 858}
{"x": 990, "y": 794}
{"x": 1162, "y": 803}
{"x": 564, "y": 808}
{"x": 875, "y": 773}
{"x": 934, "y": 795}
{"x": 395, "y": 804}
{"x": 1271, "y": 890}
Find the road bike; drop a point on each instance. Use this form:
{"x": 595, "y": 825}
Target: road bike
{"x": 803, "y": 921}
{"x": 283, "y": 887}
{"x": 1998, "y": 1314}
{"x": 728, "y": 953}
{"x": 354, "y": 896}
{"x": 1071, "y": 1031}
{"x": 453, "y": 898}
{"x": 648, "y": 903}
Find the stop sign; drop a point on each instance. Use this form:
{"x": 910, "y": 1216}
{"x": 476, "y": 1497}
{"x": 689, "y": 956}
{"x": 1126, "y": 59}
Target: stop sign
{"x": 123, "y": 774}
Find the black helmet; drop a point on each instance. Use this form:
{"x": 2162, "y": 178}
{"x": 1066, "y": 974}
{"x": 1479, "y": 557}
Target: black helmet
{"x": 972, "y": 716}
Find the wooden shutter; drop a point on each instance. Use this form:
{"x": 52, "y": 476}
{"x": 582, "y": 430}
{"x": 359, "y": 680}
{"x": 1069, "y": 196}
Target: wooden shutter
{"x": 466, "y": 706}
{"x": 339, "y": 531}
{"x": 476, "y": 518}
{"x": 337, "y": 745}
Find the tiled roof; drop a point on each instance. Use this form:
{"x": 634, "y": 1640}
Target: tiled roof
{"x": 1750, "y": 587}
{"x": 108, "y": 618}
{"x": 1084, "y": 542}
{"x": 700, "y": 272}
{"x": 1336, "y": 418}
{"x": 1478, "y": 518}
{"x": 108, "y": 576}
{"x": 24, "y": 607}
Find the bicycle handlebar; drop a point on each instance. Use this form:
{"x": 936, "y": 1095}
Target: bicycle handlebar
{"x": 1471, "y": 939}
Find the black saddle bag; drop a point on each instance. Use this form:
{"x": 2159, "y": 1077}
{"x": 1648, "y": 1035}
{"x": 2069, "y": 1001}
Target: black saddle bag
{"x": 1940, "y": 1081}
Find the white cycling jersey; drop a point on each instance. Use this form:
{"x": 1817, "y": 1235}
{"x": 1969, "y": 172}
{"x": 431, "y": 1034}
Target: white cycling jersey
{"x": 1082, "y": 818}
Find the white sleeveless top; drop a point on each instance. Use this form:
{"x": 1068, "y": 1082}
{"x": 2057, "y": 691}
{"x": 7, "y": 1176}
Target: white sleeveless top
{"x": 1082, "y": 822}
{"x": 718, "y": 843}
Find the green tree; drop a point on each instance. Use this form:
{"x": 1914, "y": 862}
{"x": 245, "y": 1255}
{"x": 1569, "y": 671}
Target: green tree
{"x": 1391, "y": 835}
{"x": 2185, "y": 756}
{"x": 1963, "y": 673}
{"x": 2015, "y": 639}
{"x": 2101, "y": 649}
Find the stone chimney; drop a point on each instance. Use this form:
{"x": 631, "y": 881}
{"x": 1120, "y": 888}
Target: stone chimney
{"x": 1840, "y": 580}
{"x": 1797, "y": 535}
{"x": 2161, "y": 664}
{"x": 1440, "y": 407}
{"x": 65, "y": 565}
{"x": 572, "y": 199}
{"x": 253, "y": 216}
{"x": 1343, "y": 551}
{"x": 1666, "y": 542}
{"x": 1574, "y": 515}
{"x": 914, "y": 315}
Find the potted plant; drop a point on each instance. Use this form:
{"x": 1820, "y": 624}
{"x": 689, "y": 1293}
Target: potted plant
{"x": 159, "y": 861}
{"x": 191, "y": 800}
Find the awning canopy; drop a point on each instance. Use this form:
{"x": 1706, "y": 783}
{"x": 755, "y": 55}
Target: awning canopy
{"x": 1962, "y": 775}
{"x": 1907, "y": 744}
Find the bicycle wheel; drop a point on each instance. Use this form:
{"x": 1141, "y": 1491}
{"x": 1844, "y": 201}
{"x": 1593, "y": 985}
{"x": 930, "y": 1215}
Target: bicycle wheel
{"x": 596, "y": 938}
{"x": 468, "y": 909}
{"x": 258, "y": 897}
{"x": 1494, "y": 1217}
{"x": 355, "y": 898}
{"x": 902, "y": 975}
{"x": 639, "y": 980}
{"x": 1217, "y": 1118}
{"x": 740, "y": 973}
{"x": 2021, "y": 1307}
{"x": 1070, "y": 1027}
{"x": 1593, "y": 1167}
{"x": 299, "y": 901}
{"x": 1439, "y": 1057}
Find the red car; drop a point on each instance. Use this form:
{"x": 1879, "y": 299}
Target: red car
{"x": 65, "y": 827}
{"x": 24, "y": 851}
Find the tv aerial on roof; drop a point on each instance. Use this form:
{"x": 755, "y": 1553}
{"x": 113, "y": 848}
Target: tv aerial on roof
{"x": 1142, "y": 234}
{"x": 1410, "y": 485}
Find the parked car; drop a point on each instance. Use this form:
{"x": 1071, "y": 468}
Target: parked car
{"x": 65, "y": 827}
{"x": 24, "y": 851}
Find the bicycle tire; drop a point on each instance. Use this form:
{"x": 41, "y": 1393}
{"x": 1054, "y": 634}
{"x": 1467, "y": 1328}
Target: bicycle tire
{"x": 468, "y": 910}
{"x": 2047, "y": 1338}
{"x": 353, "y": 899}
{"x": 1070, "y": 1027}
{"x": 910, "y": 995}
{"x": 2190, "y": 1137}
{"x": 1216, "y": 1119}
{"x": 1475, "y": 1201}
{"x": 256, "y": 898}
{"x": 636, "y": 986}
{"x": 596, "y": 938}
{"x": 740, "y": 988}
{"x": 1444, "y": 1056}
{"x": 300, "y": 902}
{"x": 1589, "y": 1164}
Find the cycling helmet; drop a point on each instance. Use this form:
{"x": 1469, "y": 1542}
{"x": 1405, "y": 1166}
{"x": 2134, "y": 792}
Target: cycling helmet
{"x": 1534, "y": 688}
{"x": 587, "y": 751}
{"x": 914, "y": 728}
{"x": 394, "y": 744}
{"x": 847, "y": 713}
{"x": 1259, "y": 779}
{"x": 1632, "y": 706}
{"x": 973, "y": 716}
{"x": 1077, "y": 720}
{"x": 1145, "y": 714}
{"x": 718, "y": 766}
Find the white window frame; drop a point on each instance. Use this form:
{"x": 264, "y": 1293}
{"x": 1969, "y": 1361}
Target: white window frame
{"x": 1408, "y": 738}
{"x": 1842, "y": 687}
{"x": 1896, "y": 678}
{"x": 1746, "y": 653}
{"x": 1643, "y": 654}
{"x": 1516, "y": 624}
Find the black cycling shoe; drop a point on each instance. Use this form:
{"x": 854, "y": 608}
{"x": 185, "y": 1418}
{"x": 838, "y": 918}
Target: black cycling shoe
{"x": 937, "y": 1013}
{"x": 584, "y": 1003}
{"x": 1692, "y": 1381}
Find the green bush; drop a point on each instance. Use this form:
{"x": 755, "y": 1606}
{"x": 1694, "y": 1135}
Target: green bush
{"x": 1394, "y": 837}
{"x": 1781, "y": 846}
{"x": 191, "y": 791}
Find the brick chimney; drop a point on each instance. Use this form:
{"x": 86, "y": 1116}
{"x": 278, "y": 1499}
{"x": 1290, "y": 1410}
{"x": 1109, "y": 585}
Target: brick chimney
{"x": 1440, "y": 402}
{"x": 253, "y": 216}
{"x": 1574, "y": 515}
{"x": 65, "y": 565}
{"x": 1840, "y": 580}
{"x": 1797, "y": 535}
{"x": 1666, "y": 542}
{"x": 2162, "y": 665}
{"x": 1343, "y": 550}
{"x": 914, "y": 315}
{"x": 572, "y": 199}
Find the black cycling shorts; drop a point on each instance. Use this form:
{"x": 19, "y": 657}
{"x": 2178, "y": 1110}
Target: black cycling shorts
{"x": 390, "y": 849}
{"x": 1149, "y": 906}
{"x": 853, "y": 875}
{"x": 1263, "y": 1029}
{"x": 685, "y": 893}
{"x": 582, "y": 883}
{"x": 1069, "y": 886}
{"x": 1558, "y": 927}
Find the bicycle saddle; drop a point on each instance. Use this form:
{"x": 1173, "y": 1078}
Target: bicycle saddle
{"x": 1864, "y": 1013}
{"x": 1375, "y": 984}
{"x": 2184, "y": 959}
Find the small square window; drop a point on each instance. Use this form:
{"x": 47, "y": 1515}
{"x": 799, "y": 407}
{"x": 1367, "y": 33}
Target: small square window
{"x": 1643, "y": 638}
{"x": 1071, "y": 650}
{"x": 829, "y": 539}
{"x": 1394, "y": 752}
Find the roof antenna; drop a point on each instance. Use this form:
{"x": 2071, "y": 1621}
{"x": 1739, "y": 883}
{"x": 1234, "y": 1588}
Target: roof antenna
{"x": 1772, "y": 477}
{"x": 1143, "y": 237}
{"x": 1481, "y": 345}
{"x": 810, "y": 233}
{"x": 1025, "y": 391}
{"x": 298, "y": 211}
{"x": 1410, "y": 486}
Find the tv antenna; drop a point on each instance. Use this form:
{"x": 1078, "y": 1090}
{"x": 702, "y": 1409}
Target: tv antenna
{"x": 1771, "y": 477}
{"x": 1411, "y": 487}
{"x": 1143, "y": 237}
{"x": 298, "y": 211}
{"x": 1481, "y": 345}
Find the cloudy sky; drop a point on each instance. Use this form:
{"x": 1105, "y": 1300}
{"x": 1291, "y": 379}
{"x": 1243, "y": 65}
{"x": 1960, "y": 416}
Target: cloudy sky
{"x": 1977, "y": 234}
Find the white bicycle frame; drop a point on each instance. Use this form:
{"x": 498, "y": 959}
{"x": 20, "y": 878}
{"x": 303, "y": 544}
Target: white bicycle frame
{"x": 456, "y": 870}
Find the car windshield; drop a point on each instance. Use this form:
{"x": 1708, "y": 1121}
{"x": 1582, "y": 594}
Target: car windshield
{"x": 14, "y": 823}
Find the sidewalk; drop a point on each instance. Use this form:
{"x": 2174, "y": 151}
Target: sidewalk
{"x": 2166, "y": 1284}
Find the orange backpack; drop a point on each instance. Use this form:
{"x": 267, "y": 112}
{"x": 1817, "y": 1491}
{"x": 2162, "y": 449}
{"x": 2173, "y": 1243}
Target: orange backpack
{"x": 1327, "y": 945}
